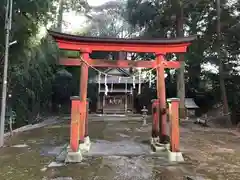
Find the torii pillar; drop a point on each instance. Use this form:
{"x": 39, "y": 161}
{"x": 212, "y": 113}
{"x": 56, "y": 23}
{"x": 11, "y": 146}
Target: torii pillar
{"x": 84, "y": 142}
{"x": 161, "y": 95}
{"x": 79, "y": 140}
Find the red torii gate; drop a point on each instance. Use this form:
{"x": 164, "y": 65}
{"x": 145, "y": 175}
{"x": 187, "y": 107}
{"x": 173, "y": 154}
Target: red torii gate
{"x": 86, "y": 45}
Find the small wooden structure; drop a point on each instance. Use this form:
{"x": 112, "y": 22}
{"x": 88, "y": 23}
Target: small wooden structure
{"x": 190, "y": 106}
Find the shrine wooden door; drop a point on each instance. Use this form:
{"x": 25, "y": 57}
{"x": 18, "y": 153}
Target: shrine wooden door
{"x": 114, "y": 104}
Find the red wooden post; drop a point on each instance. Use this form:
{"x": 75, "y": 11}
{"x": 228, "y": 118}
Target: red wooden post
{"x": 155, "y": 117}
{"x": 86, "y": 120}
{"x": 83, "y": 92}
{"x": 75, "y": 117}
{"x": 82, "y": 121}
{"x": 161, "y": 94}
{"x": 174, "y": 124}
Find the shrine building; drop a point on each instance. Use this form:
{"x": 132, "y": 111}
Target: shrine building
{"x": 116, "y": 91}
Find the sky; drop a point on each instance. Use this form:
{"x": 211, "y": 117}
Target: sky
{"x": 73, "y": 21}
{"x": 96, "y": 2}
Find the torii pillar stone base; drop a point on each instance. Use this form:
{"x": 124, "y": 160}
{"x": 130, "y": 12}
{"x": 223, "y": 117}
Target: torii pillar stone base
{"x": 73, "y": 157}
{"x": 175, "y": 156}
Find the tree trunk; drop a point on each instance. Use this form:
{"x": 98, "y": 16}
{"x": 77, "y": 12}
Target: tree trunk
{"x": 221, "y": 70}
{"x": 10, "y": 126}
{"x": 60, "y": 16}
{"x": 180, "y": 72}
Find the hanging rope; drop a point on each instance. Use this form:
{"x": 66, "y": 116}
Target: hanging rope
{"x": 134, "y": 83}
{"x": 119, "y": 79}
{"x": 99, "y": 82}
{"x": 126, "y": 86}
{"x": 133, "y": 76}
{"x": 106, "y": 86}
{"x": 112, "y": 87}
{"x": 150, "y": 79}
{"x": 139, "y": 81}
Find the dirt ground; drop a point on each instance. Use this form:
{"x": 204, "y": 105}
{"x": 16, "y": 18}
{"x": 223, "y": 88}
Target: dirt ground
{"x": 120, "y": 151}
{"x": 214, "y": 152}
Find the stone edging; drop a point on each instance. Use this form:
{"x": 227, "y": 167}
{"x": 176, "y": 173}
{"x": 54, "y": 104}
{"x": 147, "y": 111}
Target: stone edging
{"x": 48, "y": 121}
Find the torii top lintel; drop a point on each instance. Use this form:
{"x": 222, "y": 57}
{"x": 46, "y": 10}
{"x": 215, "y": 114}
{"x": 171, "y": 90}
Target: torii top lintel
{"x": 167, "y": 45}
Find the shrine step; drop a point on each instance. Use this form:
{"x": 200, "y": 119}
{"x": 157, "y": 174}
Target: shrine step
{"x": 114, "y": 117}
{"x": 114, "y": 111}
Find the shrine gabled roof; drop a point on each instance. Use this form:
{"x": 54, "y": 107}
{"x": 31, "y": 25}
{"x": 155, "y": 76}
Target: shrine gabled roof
{"x": 120, "y": 70}
{"x": 156, "y": 41}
